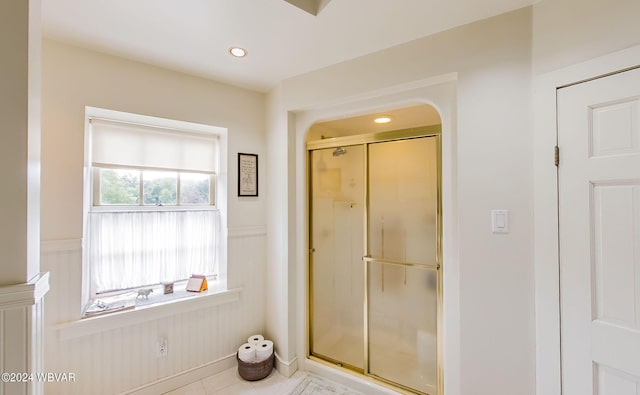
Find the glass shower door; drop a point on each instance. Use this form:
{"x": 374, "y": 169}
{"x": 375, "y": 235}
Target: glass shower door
{"x": 402, "y": 262}
{"x": 337, "y": 242}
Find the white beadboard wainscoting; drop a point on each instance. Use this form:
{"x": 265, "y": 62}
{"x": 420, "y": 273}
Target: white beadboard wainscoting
{"x": 21, "y": 336}
{"x": 116, "y": 353}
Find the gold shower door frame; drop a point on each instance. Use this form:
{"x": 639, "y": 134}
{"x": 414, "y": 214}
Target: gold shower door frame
{"x": 364, "y": 140}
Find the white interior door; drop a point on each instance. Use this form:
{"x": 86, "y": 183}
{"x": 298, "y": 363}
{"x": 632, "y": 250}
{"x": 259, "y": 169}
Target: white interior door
{"x": 599, "y": 198}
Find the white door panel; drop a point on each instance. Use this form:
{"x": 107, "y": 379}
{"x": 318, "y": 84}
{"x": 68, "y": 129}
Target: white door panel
{"x": 614, "y": 129}
{"x": 614, "y": 382}
{"x": 616, "y": 218}
{"x": 599, "y": 206}
{"x": 616, "y": 346}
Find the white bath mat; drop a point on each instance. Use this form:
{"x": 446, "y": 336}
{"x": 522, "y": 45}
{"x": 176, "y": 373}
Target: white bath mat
{"x": 315, "y": 385}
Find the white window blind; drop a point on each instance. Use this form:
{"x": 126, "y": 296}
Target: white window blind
{"x": 146, "y": 245}
{"x": 126, "y": 144}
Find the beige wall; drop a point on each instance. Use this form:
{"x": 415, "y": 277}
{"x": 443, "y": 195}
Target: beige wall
{"x": 566, "y": 32}
{"x": 74, "y": 78}
{"x": 277, "y": 226}
{"x": 495, "y": 61}
{"x": 20, "y": 112}
{"x": 492, "y": 59}
{"x": 22, "y": 289}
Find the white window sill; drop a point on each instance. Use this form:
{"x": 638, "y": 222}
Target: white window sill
{"x": 150, "y": 312}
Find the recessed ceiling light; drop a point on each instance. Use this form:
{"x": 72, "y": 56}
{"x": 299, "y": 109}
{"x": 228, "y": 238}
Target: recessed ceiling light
{"x": 382, "y": 120}
{"x": 238, "y": 52}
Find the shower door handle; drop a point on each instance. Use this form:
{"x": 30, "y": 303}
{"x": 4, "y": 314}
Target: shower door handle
{"x": 429, "y": 266}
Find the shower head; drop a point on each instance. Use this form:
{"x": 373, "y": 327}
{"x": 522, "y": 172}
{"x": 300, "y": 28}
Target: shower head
{"x": 339, "y": 151}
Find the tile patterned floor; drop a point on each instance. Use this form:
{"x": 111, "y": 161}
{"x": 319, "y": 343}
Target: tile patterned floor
{"x": 229, "y": 382}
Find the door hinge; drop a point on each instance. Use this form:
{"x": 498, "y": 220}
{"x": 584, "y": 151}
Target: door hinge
{"x": 556, "y": 156}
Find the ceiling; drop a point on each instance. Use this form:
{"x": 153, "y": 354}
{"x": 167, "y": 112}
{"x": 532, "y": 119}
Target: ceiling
{"x": 283, "y": 37}
{"x": 400, "y": 118}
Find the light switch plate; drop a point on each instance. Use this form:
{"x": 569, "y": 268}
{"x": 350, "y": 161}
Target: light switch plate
{"x": 500, "y": 221}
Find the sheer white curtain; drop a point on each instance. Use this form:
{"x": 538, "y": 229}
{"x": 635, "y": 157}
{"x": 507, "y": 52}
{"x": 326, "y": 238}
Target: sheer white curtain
{"x": 133, "y": 249}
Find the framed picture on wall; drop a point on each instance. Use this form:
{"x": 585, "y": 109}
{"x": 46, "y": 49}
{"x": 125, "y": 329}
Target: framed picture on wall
{"x": 247, "y": 174}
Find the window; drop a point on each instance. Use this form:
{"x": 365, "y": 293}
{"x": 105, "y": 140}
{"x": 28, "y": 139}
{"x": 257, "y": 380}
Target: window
{"x": 153, "y": 216}
{"x": 114, "y": 186}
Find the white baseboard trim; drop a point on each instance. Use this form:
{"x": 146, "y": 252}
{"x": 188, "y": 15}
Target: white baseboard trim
{"x": 287, "y": 369}
{"x": 181, "y": 379}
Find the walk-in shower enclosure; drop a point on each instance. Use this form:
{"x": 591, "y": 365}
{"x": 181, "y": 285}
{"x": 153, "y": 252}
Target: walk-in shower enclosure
{"x": 375, "y": 281}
